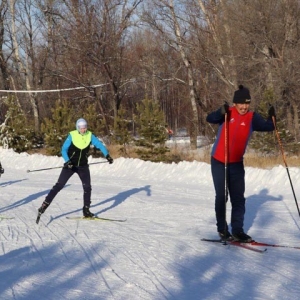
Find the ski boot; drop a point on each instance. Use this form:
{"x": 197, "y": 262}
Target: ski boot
{"x": 87, "y": 213}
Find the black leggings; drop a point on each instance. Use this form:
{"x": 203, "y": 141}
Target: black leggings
{"x": 85, "y": 177}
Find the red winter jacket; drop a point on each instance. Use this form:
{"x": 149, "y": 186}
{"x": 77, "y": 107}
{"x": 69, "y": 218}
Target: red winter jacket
{"x": 239, "y": 129}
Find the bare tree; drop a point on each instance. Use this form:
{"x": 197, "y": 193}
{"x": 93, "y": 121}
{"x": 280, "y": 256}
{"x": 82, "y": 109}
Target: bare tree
{"x": 166, "y": 19}
{"x": 271, "y": 59}
{"x": 92, "y": 41}
{"x": 217, "y": 20}
{"x": 188, "y": 55}
{"x": 23, "y": 33}
{"x": 3, "y": 59}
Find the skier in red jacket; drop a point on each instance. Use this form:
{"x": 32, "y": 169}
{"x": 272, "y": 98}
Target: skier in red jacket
{"x": 240, "y": 124}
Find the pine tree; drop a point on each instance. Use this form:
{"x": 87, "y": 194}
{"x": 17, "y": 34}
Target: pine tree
{"x": 265, "y": 142}
{"x": 57, "y": 128}
{"x": 16, "y": 132}
{"x": 122, "y": 135}
{"x": 95, "y": 124}
{"x": 151, "y": 130}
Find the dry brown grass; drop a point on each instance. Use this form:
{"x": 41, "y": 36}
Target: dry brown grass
{"x": 267, "y": 162}
{"x": 178, "y": 154}
{"x": 41, "y": 151}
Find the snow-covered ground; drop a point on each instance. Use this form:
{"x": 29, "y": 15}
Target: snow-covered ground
{"x": 157, "y": 253}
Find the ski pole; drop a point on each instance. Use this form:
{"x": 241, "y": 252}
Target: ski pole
{"x": 284, "y": 160}
{"x": 226, "y": 173}
{"x": 29, "y": 171}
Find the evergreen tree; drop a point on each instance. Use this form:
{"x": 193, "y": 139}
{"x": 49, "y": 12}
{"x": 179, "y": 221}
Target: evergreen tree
{"x": 122, "y": 135}
{"x": 95, "y": 124}
{"x": 265, "y": 142}
{"x": 151, "y": 130}
{"x": 57, "y": 128}
{"x": 16, "y": 132}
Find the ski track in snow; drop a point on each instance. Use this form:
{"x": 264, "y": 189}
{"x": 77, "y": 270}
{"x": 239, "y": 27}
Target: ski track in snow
{"x": 157, "y": 253}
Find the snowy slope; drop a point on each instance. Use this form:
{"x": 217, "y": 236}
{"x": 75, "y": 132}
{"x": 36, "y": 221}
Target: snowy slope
{"x": 157, "y": 253}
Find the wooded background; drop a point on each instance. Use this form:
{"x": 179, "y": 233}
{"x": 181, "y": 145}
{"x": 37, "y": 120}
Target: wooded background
{"x": 188, "y": 55}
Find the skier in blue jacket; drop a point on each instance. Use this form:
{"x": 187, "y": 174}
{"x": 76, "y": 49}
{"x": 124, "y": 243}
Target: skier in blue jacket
{"x": 75, "y": 151}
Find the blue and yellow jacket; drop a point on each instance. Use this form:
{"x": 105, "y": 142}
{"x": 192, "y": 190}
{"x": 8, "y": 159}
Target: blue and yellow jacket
{"x": 76, "y": 147}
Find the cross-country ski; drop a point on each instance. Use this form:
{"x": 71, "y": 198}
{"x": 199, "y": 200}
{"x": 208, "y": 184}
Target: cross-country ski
{"x": 253, "y": 243}
{"x": 6, "y": 218}
{"x": 237, "y": 244}
{"x": 95, "y": 218}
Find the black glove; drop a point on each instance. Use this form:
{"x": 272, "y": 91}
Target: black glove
{"x": 109, "y": 158}
{"x": 1, "y": 169}
{"x": 68, "y": 165}
{"x": 271, "y": 112}
{"x": 224, "y": 108}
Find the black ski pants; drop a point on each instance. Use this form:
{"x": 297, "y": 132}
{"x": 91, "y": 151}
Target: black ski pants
{"x": 236, "y": 190}
{"x": 85, "y": 177}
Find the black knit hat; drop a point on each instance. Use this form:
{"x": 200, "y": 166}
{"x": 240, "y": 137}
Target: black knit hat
{"x": 242, "y": 95}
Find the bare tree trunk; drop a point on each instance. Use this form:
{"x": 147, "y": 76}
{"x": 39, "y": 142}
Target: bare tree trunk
{"x": 227, "y": 71}
{"x": 16, "y": 96}
{"x": 102, "y": 112}
{"x": 291, "y": 35}
{"x": 182, "y": 51}
{"x": 23, "y": 66}
{"x": 3, "y": 64}
{"x": 176, "y": 40}
{"x": 296, "y": 122}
